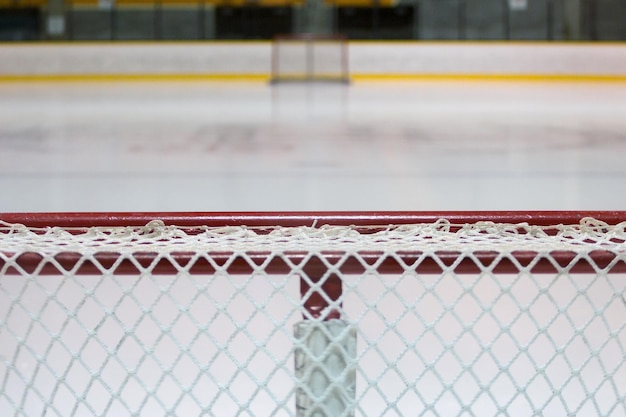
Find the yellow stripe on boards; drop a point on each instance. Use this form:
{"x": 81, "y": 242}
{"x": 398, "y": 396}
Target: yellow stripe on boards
{"x": 134, "y": 77}
{"x": 587, "y": 78}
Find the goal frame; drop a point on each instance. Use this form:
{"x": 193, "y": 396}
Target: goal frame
{"x": 325, "y": 352}
{"x": 363, "y": 222}
{"x": 308, "y": 40}
{"x": 367, "y": 222}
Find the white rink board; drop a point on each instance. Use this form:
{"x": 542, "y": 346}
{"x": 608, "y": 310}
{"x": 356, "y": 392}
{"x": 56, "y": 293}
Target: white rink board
{"x": 365, "y": 58}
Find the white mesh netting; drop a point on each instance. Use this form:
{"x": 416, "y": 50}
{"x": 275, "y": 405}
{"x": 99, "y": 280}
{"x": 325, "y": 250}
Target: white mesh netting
{"x": 159, "y": 320}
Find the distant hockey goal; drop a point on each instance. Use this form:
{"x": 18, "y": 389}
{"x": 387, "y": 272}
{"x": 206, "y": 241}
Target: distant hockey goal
{"x": 313, "y": 315}
{"x": 309, "y": 57}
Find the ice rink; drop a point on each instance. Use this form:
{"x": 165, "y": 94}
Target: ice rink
{"x": 181, "y": 344}
{"x": 208, "y": 146}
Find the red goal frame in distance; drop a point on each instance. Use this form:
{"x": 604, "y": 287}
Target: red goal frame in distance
{"x": 315, "y": 269}
{"x": 308, "y": 39}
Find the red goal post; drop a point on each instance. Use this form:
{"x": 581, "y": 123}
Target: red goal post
{"x": 310, "y": 58}
{"x": 365, "y": 223}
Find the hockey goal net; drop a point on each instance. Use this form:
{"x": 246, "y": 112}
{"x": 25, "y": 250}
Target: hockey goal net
{"x": 308, "y": 57}
{"x": 316, "y": 315}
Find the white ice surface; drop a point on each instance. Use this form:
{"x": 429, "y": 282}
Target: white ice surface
{"x": 377, "y": 146}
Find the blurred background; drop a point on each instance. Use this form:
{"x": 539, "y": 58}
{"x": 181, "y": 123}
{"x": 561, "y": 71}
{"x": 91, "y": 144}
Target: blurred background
{"x": 165, "y": 105}
{"x": 89, "y": 20}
